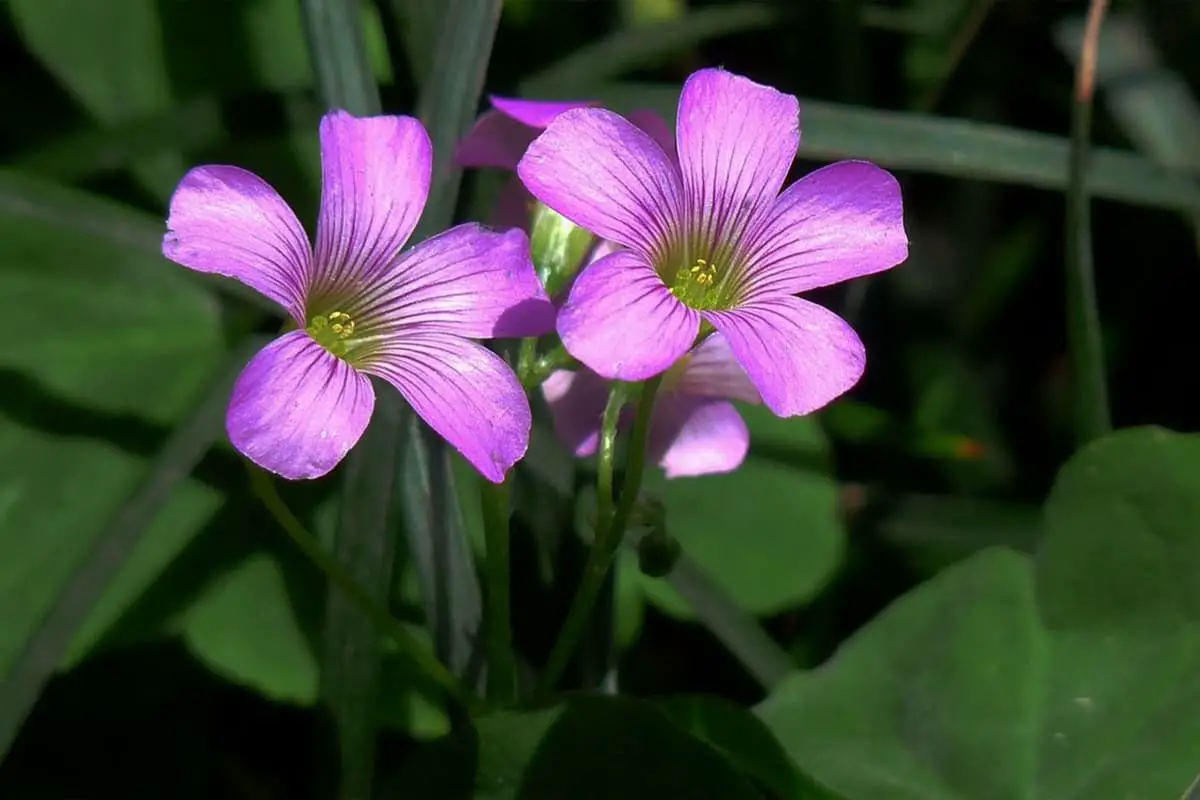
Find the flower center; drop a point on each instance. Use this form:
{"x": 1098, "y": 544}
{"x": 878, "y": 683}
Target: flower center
{"x": 699, "y": 285}
{"x": 332, "y": 331}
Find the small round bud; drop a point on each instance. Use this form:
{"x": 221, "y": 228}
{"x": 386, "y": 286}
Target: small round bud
{"x": 658, "y": 553}
{"x": 558, "y": 247}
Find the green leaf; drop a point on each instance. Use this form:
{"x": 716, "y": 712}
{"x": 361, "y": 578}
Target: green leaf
{"x": 745, "y": 741}
{"x": 940, "y": 145}
{"x": 1068, "y": 677}
{"x": 643, "y": 45}
{"x": 102, "y": 345}
{"x": 936, "y": 698}
{"x": 244, "y": 628}
{"x": 1117, "y": 590}
{"x": 127, "y": 62}
{"x": 590, "y": 747}
{"x": 769, "y": 533}
{"x": 112, "y": 58}
{"x": 89, "y": 594}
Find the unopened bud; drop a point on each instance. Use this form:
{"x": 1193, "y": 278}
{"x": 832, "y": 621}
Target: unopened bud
{"x": 657, "y": 550}
{"x": 558, "y": 246}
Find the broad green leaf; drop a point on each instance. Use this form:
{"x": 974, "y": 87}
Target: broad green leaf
{"x": 768, "y": 533}
{"x": 112, "y": 58}
{"x": 936, "y": 699}
{"x": 1070, "y": 676}
{"x": 1116, "y": 579}
{"x": 590, "y": 747}
{"x": 103, "y": 345}
{"x": 743, "y": 739}
{"x": 243, "y": 627}
{"x": 944, "y": 146}
{"x": 128, "y": 62}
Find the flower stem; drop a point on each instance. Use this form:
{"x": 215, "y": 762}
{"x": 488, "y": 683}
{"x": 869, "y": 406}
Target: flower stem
{"x": 433, "y": 669}
{"x": 607, "y": 450}
{"x": 609, "y": 533}
{"x": 538, "y": 369}
{"x": 1084, "y": 341}
{"x": 502, "y": 669}
{"x": 526, "y": 356}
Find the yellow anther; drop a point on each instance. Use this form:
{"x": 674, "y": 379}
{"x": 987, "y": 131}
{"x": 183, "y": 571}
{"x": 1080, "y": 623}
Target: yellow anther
{"x": 703, "y": 273}
{"x": 341, "y": 323}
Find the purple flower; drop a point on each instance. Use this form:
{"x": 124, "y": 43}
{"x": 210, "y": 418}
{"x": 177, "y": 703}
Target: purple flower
{"x": 361, "y": 307}
{"x": 709, "y": 238}
{"x": 694, "y": 429}
{"x": 499, "y": 139}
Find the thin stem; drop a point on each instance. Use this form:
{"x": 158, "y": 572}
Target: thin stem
{"x": 1083, "y": 319}
{"x": 607, "y": 453}
{"x": 433, "y": 669}
{"x": 609, "y": 534}
{"x": 540, "y": 368}
{"x": 526, "y": 356}
{"x": 502, "y": 666}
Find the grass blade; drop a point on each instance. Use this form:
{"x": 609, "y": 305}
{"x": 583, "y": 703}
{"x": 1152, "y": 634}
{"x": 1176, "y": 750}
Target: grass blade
{"x": 638, "y": 46}
{"x": 943, "y": 146}
{"x": 433, "y": 522}
{"x": 365, "y": 542}
{"x": 741, "y": 634}
{"x": 450, "y": 98}
{"x": 46, "y": 648}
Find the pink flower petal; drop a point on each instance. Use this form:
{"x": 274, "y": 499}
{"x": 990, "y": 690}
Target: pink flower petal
{"x": 513, "y": 206}
{"x": 800, "y": 356}
{"x": 469, "y": 281}
{"x": 499, "y": 138}
{"x": 658, "y": 130}
{"x": 463, "y": 391}
{"x": 296, "y": 410}
{"x": 496, "y": 141}
{"x": 712, "y": 370}
{"x": 692, "y": 436}
{"x": 535, "y": 113}
{"x": 737, "y": 140}
{"x": 576, "y": 400}
{"x": 602, "y": 173}
{"x": 622, "y": 321}
{"x": 227, "y": 221}
{"x": 374, "y": 182}
{"x": 842, "y": 221}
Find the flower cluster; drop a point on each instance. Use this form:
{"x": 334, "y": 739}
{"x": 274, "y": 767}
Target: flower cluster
{"x": 701, "y": 254}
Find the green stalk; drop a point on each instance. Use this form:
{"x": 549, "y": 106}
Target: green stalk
{"x": 1084, "y": 340}
{"x": 426, "y": 663}
{"x": 609, "y": 533}
{"x": 502, "y": 667}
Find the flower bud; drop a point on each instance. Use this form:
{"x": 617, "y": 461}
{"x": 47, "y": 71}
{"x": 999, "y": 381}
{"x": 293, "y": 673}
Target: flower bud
{"x": 657, "y": 551}
{"x": 558, "y": 246}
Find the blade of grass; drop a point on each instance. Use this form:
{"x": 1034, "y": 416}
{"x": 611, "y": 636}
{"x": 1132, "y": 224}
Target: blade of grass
{"x": 417, "y": 23}
{"x": 45, "y": 649}
{"x": 365, "y": 541}
{"x": 943, "y": 146}
{"x": 450, "y": 98}
{"x": 638, "y": 46}
{"x": 1083, "y": 319}
{"x": 1152, "y": 104}
{"x": 433, "y": 522}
